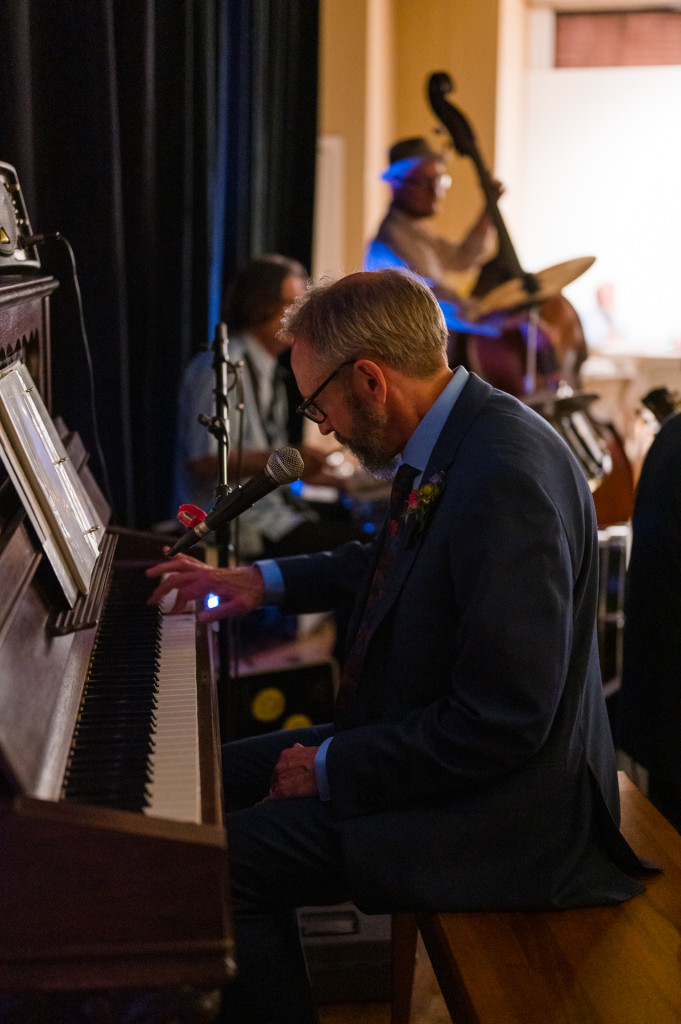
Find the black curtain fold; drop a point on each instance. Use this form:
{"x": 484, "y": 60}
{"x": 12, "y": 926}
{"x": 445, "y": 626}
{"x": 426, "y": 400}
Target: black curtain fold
{"x": 272, "y": 129}
{"x": 168, "y": 142}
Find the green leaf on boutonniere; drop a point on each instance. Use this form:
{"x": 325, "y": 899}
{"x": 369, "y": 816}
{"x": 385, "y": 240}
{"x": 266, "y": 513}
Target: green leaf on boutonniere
{"x": 421, "y": 501}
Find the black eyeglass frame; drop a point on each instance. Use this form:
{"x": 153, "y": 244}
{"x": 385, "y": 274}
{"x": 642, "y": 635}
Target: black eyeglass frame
{"x": 308, "y": 404}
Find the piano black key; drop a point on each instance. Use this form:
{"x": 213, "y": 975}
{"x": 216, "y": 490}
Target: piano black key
{"x": 101, "y": 698}
{"x": 112, "y": 756}
{"x": 123, "y": 725}
{"x": 109, "y": 769}
{"x": 127, "y": 775}
{"x": 136, "y": 689}
{"x": 107, "y": 752}
{"x": 104, "y": 747}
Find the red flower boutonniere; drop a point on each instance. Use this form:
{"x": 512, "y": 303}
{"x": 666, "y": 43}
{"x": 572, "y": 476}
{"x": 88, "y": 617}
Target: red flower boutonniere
{"x": 421, "y": 501}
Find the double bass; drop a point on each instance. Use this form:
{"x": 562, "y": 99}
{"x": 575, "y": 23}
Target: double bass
{"x": 538, "y": 347}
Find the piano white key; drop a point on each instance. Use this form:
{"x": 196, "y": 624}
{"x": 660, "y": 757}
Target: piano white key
{"x": 175, "y": 788}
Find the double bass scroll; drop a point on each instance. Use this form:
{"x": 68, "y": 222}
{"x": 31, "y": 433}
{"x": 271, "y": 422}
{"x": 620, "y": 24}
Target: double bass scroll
{"x": 463, "y": 138}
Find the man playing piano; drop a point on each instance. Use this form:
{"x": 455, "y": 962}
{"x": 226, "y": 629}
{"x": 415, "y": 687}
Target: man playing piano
{"x": 470, "y": 764}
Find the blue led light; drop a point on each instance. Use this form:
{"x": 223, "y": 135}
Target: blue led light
{"x": 212, "y": 601}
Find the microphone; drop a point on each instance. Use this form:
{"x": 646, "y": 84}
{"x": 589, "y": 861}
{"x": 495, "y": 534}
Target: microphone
{"x": 283, "y": 467}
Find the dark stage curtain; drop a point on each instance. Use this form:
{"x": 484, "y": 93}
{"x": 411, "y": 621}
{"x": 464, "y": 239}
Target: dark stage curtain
{"x": 168, "y": 141}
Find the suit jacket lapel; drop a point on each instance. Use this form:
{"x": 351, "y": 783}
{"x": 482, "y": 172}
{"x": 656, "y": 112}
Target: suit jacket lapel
{"x": 470, "y": 401}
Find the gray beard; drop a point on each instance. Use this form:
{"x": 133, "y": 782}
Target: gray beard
{"x": 378, "y": 463}
{"x": 367, "y": 444}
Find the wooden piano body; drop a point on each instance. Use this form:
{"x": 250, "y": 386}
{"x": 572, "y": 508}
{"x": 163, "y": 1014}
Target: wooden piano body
{"x": 90, "y": 896}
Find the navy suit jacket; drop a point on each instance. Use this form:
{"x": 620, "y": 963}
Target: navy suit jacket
{"x": 475, "y": 768}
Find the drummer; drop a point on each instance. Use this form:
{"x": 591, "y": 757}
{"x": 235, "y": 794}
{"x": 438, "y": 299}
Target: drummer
{"x": 418, "y": 181}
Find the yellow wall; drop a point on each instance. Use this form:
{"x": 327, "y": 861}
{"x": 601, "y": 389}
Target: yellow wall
{"x": 343, "y": 42}
{"x": 459, "y": 37}
{"x": 376, "y": 58}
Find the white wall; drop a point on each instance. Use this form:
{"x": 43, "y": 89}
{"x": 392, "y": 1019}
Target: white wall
{"x": 601, "y": 177}
{"x": 328, "y": 245}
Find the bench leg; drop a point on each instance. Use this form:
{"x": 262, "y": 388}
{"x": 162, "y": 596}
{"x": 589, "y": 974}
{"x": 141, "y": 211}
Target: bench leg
{"x": 434, "y": 934}
{"x": 403, "y": 957}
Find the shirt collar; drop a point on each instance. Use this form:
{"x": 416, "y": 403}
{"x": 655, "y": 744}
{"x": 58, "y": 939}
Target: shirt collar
{"x": 421, "y": 443}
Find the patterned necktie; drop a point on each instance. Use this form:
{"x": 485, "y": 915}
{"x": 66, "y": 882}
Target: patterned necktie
{"x": 402, "y": 485}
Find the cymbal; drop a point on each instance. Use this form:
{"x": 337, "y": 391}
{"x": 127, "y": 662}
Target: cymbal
{"x": 550, "y": 282}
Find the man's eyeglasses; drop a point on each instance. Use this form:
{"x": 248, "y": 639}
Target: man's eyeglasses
{"x": 309, "y": 406}
{"x": 436, "y": 183}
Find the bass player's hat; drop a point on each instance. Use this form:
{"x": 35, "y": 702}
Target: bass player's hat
{"x": 407, "y": 154}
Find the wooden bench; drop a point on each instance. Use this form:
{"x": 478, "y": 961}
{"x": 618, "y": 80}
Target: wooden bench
{"x": 595, "y": 965}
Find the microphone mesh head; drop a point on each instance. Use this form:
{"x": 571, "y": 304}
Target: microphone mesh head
{"x": 285, "y": 465}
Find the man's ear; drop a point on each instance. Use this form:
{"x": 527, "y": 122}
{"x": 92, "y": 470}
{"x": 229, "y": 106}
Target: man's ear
{"x": 370, "y": 381}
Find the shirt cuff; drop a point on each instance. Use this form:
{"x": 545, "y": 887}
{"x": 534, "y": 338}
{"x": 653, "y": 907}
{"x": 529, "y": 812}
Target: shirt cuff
{"x": 320, "y": 770}
{"x": 273, "y": 580}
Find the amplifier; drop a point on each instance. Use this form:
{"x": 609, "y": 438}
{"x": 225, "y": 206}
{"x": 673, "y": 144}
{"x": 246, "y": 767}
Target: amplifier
{"x": 292, "y": 697}
{"x": 348, "y": 953}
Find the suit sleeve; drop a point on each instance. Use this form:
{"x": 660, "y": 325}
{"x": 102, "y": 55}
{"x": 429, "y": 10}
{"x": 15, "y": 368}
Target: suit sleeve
{"x": 320, "y": 582}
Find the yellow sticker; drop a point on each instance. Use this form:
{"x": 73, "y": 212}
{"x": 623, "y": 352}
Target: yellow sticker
{"x": 268, "y": 704}
{"x": 297, "y": 721}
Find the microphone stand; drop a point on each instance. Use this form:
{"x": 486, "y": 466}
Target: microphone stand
{"x": 219, "y": 425}
{"x": 219, "y": 428}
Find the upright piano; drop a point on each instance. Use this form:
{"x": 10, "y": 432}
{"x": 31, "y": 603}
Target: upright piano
{"x": 107, "y": 879}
